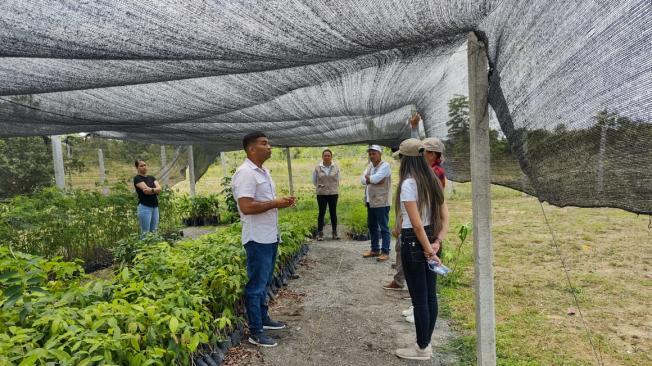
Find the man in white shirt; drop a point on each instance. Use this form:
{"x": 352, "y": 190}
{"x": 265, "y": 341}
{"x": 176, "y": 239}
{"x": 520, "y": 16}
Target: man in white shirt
{"x": 258, "y": 206}
{"x": 377, "y": 179}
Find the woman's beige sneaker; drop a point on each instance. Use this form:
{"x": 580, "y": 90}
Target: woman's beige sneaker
{"x": 415, "y": 353}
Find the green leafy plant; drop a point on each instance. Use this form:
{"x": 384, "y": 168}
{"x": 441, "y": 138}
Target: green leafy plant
{"x": 356, "y": 219}
{"x": 76, "y": 224}
{"x": 164, "y": 300}
{"x": 455, "y": 257}
{"x": 231, "y": 213}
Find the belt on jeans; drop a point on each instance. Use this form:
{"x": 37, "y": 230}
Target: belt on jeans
{"x": 409, "y": 232}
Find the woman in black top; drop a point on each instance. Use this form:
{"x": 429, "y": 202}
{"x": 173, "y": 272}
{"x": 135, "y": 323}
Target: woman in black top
{"x": 147, "y": 188}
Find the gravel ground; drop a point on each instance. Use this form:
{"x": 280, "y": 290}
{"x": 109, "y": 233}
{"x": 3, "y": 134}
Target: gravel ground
{"x": 338, "y": 314}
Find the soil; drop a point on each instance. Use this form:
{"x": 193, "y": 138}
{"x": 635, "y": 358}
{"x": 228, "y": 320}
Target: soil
{"x": 338, "y": 314}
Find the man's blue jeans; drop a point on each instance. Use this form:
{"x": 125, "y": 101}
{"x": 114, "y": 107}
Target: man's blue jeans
{"x": 261, "y": 259}
{"x": 378, "y": 223}
{"x": 148, "y": 219}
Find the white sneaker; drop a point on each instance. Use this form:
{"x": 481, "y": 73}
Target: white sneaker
{"x": 409, "y": 319}
{"x": 415, "y": 353}
{"x": 408, "y": 312}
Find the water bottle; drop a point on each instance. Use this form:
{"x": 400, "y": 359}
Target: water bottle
{"x": 439, "y": 269}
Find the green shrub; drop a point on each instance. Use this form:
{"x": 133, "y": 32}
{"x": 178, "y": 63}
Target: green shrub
{"x": 356, "y": 220}
{"x": 77, "y": 224}
{"x": 231, "y": 214}
{"x": 162, "y": 303}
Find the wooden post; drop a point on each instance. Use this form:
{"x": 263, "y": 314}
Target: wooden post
{"x": 603, "y": 147}
{"x": 164, "y": 163}
{"x": 481, "y": 192}
{"x": 100, "y": 159}
{"x": 524, "y": 178}
{"x": 191, "y": 170}
{"x": 57, "y": 156}
{"x": 225, "y": 173}
{"x": 287, "y": 154}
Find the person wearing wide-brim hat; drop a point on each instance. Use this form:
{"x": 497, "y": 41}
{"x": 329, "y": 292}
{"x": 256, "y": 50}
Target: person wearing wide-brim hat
{"x": 377, "y": 179}
{"x": 420, "y": 211}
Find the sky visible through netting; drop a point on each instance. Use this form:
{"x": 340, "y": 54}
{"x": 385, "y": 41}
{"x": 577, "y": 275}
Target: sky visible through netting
{"x": 569, "y": 81}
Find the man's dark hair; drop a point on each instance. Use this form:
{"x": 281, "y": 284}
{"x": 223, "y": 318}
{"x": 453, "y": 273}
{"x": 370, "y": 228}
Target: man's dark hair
{"x": 250, "y": 138}
{"x": 138, "y": 162}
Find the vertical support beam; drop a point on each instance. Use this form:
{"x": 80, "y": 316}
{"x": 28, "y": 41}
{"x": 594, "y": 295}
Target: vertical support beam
{"x": 191, "y": 170}
{"x": 100, "y": 159}
{"x": 524, "y": 178}
{"x": 603, "y": 147}
{"x": 57, "y": 155}
{"x": 164, "y": 164}
{"x": 287, "y": 155}
{"x": 225, "y": 173}
{"x": 481, "y": 191}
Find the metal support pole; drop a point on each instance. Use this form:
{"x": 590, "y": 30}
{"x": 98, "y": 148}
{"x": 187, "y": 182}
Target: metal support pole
{"x": 164, "y": 163}
{"x": 57, "y": 155}
{"x": 481, "y": 193}
{"x": 191, "y": 170}
{"x": 287, "y": 154}
{"x": 100, "y": 159}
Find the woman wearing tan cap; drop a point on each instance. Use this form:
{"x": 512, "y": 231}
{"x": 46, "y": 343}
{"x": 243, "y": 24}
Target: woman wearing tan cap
{"x": 420, "y": 212}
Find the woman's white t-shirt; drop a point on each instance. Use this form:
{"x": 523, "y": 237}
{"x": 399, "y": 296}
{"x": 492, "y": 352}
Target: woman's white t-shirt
{"x": 409, "y": 193}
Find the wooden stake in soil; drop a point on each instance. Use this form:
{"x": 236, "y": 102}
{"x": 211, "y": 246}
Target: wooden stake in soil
{"x": 57, "y": 155}
{"x": 100, "y": 160}
{"x": 289, "y": 158}
{"x": 191, "y": 170}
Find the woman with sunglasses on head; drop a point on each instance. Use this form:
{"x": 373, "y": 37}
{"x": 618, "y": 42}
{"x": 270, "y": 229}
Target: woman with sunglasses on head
{"x": 420, "y": 212}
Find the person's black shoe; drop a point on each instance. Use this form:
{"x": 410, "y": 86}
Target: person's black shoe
{"x": 263, "y": 340}
{"x": 273, "y": 325}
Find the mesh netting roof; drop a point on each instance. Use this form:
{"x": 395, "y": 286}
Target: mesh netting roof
{"x": 569, "y": 82}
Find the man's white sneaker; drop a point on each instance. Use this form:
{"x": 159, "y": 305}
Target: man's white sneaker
{"x": 408, "y": 312}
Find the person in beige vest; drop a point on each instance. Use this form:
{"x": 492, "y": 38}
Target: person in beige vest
{"x": 377, "y": 179}
{"x": 326, "y": 179}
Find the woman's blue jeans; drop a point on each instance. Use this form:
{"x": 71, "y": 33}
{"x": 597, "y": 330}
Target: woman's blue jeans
{"x": 148, "y": 219}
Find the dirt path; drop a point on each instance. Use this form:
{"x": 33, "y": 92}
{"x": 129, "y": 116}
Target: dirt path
{"x": 338, "y": 314}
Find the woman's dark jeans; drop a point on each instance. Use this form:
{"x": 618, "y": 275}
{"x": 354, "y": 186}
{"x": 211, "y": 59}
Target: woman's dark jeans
{"x": 422, "y": 284}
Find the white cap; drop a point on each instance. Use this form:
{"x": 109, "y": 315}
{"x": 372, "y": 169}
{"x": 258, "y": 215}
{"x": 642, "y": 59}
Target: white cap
{"x": 375, "y": 147}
